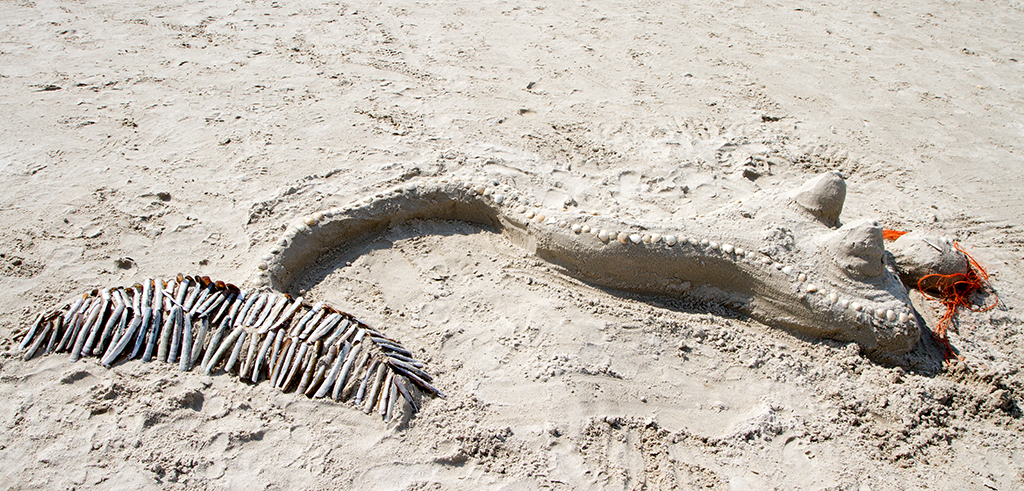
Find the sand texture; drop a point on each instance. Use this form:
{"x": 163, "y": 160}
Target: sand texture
{"x": 143, "y": 139}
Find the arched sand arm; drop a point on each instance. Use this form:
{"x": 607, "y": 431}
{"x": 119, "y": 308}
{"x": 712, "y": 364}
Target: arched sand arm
{"x": 779, "y": 257}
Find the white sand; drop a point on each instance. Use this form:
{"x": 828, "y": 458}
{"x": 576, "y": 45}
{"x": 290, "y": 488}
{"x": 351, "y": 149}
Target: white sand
{"x": 251, "y": 115}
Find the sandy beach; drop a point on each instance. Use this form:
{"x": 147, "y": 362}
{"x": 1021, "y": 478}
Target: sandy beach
{"x": 145, "y": 139}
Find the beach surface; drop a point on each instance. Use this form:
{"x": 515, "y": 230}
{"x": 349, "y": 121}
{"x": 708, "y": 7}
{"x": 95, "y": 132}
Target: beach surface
{"x": 143, "y": 139}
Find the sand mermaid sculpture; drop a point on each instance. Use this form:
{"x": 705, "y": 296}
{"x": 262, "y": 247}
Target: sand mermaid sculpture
{"x": 783, "y": 258}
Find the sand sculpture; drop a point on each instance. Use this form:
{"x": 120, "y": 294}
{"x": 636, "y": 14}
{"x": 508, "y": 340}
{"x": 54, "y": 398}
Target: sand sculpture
{"x": 784, "y": 258}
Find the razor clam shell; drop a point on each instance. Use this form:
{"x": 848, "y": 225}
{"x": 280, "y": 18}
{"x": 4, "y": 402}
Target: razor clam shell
{"x": 31, "y": 333}
{"x": 378, "y": 378}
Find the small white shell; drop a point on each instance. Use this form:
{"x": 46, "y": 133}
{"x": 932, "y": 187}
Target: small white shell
{"x": 703, "y": 242}
{"x": 530, "y": 214}
{"x": 844, "y": 303}
{"x": 479, "y": 189}
{"x": 499, "y": 199}
{"x": 740, "y": 252}
{"x": 318, "y": 216}
{"x": 833, "y": 297}
{"x": 787, "y": 269}
{"x": 603, "y": 235}
{"x": 309, "y": 220}
{"x": 646, "y": 239}
{"x": 585, "y": 228}
{"x": 693, "y": 241}
{"x": 856, "y": 306}
{"x": 563, "y": 224}
{"x": 728, "y": 248}
{"x": 670, "y": 240}
{"x": 263, "y": 266}
{"x": 801, "y": 277}
{"x": 622, "y": 238}
{"x": 635, "y": 238}
{"x": 713, "y": 245}
{"x": 766, "y": 260}
{"x": 890, "y": 315}
{"x": 811, "y": 288}
{"x": 576, "y": 228}
{"x": 539, "y": 218}
{"x": 655, "y": 238}
{"x": 904, "y": 317}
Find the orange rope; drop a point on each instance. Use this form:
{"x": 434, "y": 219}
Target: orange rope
{"x": 955, "y": 291}
{"x": 892, "y": 234}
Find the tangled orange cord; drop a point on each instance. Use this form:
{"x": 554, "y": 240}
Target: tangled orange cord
{"x": 955, "y": 291}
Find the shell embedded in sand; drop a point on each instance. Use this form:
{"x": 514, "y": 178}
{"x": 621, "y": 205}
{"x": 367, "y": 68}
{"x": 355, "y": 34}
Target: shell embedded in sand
{"x": 670, "y": 240}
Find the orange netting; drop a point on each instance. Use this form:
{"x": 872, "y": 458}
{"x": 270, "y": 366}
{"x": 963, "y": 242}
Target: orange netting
{"x": 955, "y": 291}
{"x": 892, "y": 234}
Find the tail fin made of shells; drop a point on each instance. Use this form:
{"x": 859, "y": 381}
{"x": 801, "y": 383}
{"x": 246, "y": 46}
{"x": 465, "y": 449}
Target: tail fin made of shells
{"x": 193, "y": 321}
